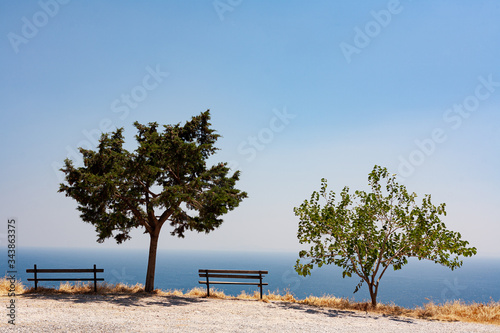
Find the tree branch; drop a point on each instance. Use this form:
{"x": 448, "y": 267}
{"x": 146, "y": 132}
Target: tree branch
{"x": 136, "y": 213}
{"x": 165, "y": 215}
{"x": 364, "y": 276}
{"x": 150, "y": 213}
{"x": 175, "y": 176}
{"x": 147, "y": 189}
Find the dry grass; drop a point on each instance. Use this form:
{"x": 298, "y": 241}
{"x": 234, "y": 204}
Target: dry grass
{"x": 450, "y": 311}
{"x": 461, "y": 311}
{"x": 201, "y": 292}
{"x": 88, "y": 288}
{"x": 6, "y": 287}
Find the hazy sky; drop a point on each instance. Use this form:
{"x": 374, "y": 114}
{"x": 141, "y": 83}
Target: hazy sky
{"x": 299, "y": 90}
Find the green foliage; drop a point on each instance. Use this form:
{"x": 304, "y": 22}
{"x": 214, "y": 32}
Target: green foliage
{"x": 165, "y": 179}
{"x": 365, "y": 233}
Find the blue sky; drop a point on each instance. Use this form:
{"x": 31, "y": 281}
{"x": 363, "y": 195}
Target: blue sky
{"x": 299, "y": 91}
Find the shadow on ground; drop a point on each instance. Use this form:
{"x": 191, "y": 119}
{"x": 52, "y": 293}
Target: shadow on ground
{"x": 334, "y": 313}
{"x": 118, "y": 299}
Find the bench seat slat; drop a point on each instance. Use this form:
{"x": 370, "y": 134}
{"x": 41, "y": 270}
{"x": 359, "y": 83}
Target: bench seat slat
{"x": 231, "y": 271}
{"x": 68, "y": 279}
{"x": 238, "y": 283}
{"x": 62, "y": 270}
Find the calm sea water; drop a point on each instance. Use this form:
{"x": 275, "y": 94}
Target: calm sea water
{"x": 416, "y": 284}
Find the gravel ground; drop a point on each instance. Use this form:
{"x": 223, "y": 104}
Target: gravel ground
{"x": 128, "y": 313}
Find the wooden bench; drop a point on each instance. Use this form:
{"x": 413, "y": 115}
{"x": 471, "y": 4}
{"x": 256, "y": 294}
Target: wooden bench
{"x": 94, "y": 270}
{"x": 232, "y": 274}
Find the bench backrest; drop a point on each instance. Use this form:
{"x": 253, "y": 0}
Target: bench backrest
{"x": 62, "y": 270}
{"x": 94, "y": 270}
{"x": 231, "y": 273}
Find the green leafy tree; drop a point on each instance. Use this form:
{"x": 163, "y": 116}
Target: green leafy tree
{"x": 366, "y": 233}
{"x": 165, "y": 179}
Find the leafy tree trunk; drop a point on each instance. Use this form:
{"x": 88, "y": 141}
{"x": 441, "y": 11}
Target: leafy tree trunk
{"x": 150, "y": 273}
{"x": 373, "y": 293}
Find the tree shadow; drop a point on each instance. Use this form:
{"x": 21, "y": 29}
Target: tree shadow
{"x": 317, "y": 310}
{"x": 336, "y": 313}
{"x": 128, "y": 300}
{"x": 399, "y": 319}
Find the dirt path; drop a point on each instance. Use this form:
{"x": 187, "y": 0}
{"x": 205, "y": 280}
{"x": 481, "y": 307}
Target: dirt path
{"x": 128, "y": 313}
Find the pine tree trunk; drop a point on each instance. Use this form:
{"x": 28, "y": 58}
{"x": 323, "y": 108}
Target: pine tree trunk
{"x": 150, "y": 274}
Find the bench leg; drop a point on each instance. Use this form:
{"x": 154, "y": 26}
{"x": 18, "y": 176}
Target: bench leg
{"x": 208, "y": 283}
{"x": 260, "y": 276}
{"x": 95, "y": 279}
{"x": 36, "y": 281}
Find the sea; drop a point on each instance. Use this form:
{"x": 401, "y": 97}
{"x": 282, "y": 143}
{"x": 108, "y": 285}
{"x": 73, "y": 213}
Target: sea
{"x": 416, "y": 284}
